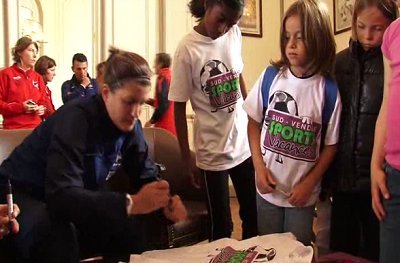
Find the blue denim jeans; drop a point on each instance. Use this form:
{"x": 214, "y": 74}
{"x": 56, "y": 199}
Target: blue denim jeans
{"x": 275, "y": 219}
{"x": 390, "y": 226}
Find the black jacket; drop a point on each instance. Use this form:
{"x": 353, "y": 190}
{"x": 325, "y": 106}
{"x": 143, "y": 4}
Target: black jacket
{"x": 359, "y": 75}
{"x": 64, "y": 163}
{"x": 72, "y": 89}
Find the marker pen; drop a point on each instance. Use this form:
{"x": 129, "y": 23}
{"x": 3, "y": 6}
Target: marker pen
{"x": 279, "y": 189}
{"x": 161, "y": 168}
{"x": 10, "y": 203}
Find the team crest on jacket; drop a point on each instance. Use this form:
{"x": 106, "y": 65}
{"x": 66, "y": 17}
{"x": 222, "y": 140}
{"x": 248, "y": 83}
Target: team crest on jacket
{"x": 35, "y": 84}
{"x": 220, "y": 85}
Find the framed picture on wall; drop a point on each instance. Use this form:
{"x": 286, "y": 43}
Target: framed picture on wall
{"x": 342, "y": 15}
{"x": 251, "y": 22}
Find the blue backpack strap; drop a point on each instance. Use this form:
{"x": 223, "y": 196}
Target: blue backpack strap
{"x": 330, "y": 100}
{"x": 327, "y": 111}
{"x": 269, "y": 76}
{"x": 330, "y": 94}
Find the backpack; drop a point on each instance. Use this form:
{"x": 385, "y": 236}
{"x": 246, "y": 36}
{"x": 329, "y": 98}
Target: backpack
{"x": 330, "y": 96}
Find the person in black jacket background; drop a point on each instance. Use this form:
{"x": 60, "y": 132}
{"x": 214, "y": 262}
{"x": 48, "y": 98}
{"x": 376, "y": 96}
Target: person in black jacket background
{"x": 359, "y": 73}
{"x": 81, "y": 85}
{"x": 62, "y": 174}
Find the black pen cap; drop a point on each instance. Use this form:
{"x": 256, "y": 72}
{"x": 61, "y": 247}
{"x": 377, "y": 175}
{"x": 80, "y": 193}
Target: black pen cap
{"x": 9, "y": 191}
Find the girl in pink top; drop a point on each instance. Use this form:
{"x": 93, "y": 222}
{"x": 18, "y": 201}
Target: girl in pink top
{"x": 385, "y": 164}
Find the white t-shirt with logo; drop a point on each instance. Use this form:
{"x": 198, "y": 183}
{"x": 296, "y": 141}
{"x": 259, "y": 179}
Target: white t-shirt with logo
{"x": 291, "y": 129}
{"x": 206, "y": 72}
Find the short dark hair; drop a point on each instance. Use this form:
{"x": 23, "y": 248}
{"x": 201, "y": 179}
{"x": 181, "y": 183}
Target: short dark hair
{"x": 79, "y": 57}
{"x": 163, "y": 59}
{"x": 123, "y": 65}
{"x": 22, "y": 44}
{"x": 198, "y": 10}
{"x": 43, "y": 64}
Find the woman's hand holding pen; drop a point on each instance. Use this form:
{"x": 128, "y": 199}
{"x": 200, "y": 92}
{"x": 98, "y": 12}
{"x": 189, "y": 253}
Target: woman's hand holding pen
{"x": 5, "y": 220}
{"x": 175, "y": 210}
{"x": 151, "y": 196}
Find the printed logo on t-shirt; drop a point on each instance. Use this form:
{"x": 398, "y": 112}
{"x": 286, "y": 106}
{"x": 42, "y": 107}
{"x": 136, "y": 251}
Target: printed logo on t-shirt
{"x": 288, "y": 134}
{"x": 221, "y": 85}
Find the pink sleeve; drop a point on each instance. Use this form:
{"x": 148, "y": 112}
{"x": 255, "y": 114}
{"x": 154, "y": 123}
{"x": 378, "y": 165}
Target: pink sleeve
{"x": 391, "y": 35}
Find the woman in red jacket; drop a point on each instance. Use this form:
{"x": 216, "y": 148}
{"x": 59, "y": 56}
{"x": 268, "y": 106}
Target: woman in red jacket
{"x": 46, "y": 67}
{"x": 22, "y": 90}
